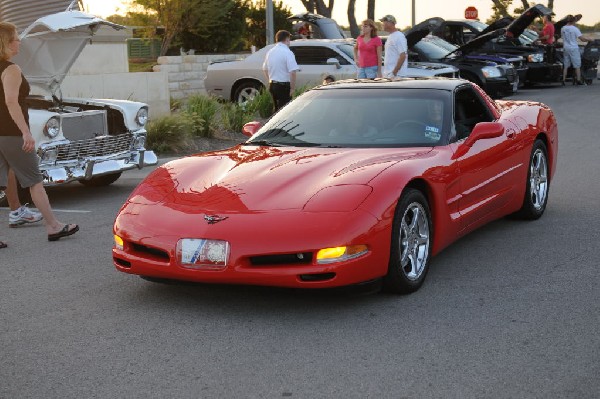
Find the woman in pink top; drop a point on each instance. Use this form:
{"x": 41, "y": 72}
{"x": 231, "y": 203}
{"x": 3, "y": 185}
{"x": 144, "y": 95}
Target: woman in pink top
{"x": 367, "y": 51}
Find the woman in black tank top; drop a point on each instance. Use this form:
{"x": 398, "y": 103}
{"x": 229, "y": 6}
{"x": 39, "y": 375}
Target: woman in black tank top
{"x": 17, "y": 145}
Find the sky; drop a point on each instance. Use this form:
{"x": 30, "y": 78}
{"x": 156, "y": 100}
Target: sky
{"x": 401, "y": 9}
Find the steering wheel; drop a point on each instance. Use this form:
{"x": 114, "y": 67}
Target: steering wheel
{"x": 411, "y": 122}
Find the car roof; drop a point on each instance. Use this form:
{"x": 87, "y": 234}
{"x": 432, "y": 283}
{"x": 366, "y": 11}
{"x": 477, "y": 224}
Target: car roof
{"x": 436, "y": 83}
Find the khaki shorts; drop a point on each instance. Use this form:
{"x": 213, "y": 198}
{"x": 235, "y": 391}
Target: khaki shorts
{"x": 26, "y": 165}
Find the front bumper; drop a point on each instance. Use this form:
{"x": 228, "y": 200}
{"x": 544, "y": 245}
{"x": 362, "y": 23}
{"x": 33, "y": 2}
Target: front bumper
{"x": 544, "y": 72}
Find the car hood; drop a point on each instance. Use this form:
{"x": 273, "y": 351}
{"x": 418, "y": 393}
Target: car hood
{"x": 479, "y": 41}
{"x": 499, "y": 23}
{"x": 518, "y": 26}
{"x": 50, "y": 46}
{"x": 253, "y": 179}
{"x": 422, "y": 29}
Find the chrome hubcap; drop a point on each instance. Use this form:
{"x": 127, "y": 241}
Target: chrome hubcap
{"x": 246, "y": 95}
{"x": 538, "y": 179}
{"x": 414, "y": 241}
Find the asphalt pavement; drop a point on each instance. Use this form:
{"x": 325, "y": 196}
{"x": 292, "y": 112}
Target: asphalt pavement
{"x": 509, "y": 311}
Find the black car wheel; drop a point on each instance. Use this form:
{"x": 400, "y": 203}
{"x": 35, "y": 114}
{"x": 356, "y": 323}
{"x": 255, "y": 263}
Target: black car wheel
{"x": 412, "y": 233}
{"x": 537, "y": 184}
{"x": 101, "y": 181}
{"x": 246, "y": 91}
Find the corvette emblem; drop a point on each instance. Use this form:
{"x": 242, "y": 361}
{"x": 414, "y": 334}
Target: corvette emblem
{"x": 212, "y": 219}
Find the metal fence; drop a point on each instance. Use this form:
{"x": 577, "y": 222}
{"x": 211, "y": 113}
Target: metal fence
{"x": 143, "y": 48}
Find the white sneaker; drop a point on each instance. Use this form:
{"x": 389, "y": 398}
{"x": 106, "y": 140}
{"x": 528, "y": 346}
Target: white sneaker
{"x": 23, "y": 215}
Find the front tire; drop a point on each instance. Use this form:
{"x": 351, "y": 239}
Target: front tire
{"x": 412, "y": 233}
{"x": 101, "y": 181}
{"x": 537, "y": 184}
{"x": 246, "y": 92}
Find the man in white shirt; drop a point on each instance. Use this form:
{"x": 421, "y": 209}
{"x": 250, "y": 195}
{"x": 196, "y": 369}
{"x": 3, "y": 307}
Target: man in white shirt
{"x": 280, "y": 69}
{"x": 572, "y": 57}
{"x": 395, "y": 62}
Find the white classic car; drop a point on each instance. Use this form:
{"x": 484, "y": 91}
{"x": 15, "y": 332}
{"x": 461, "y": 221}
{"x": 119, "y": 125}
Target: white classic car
{"x": 240, "y": 80}
{"x": 77, "y": 139}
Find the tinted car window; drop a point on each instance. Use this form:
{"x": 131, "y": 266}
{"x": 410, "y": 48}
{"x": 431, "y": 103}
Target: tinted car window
{"x": 431, "y": 50}
{"x": 315, "y": 55}
{"x": 361, "y": 118}
{"x": 469, "y": 110}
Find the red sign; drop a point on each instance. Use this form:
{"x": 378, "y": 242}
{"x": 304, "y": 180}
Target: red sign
{"x": 471, "y": 13}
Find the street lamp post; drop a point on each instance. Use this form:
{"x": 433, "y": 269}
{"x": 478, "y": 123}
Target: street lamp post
{"x": 270, "y": 24}
{"x": 413, "y": 12}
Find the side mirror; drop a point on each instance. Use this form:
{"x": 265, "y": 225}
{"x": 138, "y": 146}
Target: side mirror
{"x": 481, "y": 131}
{"x": 484, "y": 130}
{"x": 334, "y": 61}
{"x": 250, "y": 128}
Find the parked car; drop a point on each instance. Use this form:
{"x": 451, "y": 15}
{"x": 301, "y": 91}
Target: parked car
{"x": 241, "y": 80}
{"x": 320, "y": 27}
{"x": 91, "y": 141}
{"x": 496, "y": 75}
{"x": 512, "y": 37}
{"x": 350, "y": 182}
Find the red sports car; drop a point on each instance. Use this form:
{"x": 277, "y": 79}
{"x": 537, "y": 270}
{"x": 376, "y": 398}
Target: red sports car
{"x": 351, "y": 182}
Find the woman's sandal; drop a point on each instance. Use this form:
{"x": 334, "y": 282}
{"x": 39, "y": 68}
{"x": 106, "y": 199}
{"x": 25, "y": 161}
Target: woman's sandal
{"x": 3, "y": 244}
{"x": 66, "y": 231}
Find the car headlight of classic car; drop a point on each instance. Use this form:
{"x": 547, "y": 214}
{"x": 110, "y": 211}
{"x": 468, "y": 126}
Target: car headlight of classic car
{"x": 491, "y": 72}
{"x": 538, "y": 57}
{"x": 141, "y": 118}
{"x": 52, "y": 127}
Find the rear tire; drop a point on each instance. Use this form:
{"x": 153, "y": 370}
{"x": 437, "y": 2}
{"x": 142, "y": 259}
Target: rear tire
{"x": 410, "y": 253}
{"x": 246, "y": 92}
{"x": 537, "y": 185}
{"x": 101, "y": 181}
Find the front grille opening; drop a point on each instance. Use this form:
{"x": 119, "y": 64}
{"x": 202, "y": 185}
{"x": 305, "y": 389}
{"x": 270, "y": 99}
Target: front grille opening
{"x": 300, "y": 258}
{"x": 317, "y": 277}
{"x": 122, "y": 262}
{"x": 155, "y": 252}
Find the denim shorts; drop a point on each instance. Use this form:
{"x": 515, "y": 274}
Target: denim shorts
{"x": 367, "y": 72}
{"x": 572, "y": 57}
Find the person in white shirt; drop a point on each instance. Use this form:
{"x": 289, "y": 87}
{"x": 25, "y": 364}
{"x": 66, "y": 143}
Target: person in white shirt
{"x": 280, "y": 69}
{"x": 572, "y": 57}
{"x": 395, "y": 62}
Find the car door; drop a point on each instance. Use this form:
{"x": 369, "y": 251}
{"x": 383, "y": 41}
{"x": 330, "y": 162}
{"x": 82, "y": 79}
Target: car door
{"x": 312, "y": 61}
{"x": 486, "y": 168}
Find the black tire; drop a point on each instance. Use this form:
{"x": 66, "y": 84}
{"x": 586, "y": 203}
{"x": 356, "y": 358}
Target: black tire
{"x": 409, "y": 237}
{"x": 589, "y": 81}
{"x": 101, "y": 181}
{"x": 534, "y": 203}
{"x": 245, "y": 91}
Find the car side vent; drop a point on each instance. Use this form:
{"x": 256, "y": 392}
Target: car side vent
{"x": 155, "y": 252}
{"x": 301, "y": 258}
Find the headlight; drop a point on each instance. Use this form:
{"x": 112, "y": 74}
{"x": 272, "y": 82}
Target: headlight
{"x": 48, "y": 155}
{"x": 340, "y": 254}
{"x": 538, "y": 57}
{"x": 52, "y": 127}
{"x": 142, "y": 116}
{"x": 491, "y": 72}
{"x": 118, "y": 242}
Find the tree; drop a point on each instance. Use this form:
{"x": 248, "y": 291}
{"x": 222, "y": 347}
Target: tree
{"x": 500, "y": 9}
{"x": 256, "y": 25}
{"x": 319, "y": 7}
{"x": 179, "y": 17}
{"x": 354, "y": 31}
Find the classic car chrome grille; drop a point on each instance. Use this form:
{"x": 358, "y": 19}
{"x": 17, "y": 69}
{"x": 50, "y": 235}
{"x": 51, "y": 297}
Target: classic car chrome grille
{"x": 84, "y": 125}
{"x": 96, "y": 147}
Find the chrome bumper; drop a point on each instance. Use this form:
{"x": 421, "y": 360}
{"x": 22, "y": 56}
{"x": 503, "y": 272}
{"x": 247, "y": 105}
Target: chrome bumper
{"x": 85, "y": 169}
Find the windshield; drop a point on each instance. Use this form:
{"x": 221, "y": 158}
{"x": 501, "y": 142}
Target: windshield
{"x": 431, "y": 50}
{"x": 478, "y": 25}
{"x": 385, "y": 117}
{"x": 438, "y": 41}
{"x": 347, "y": 49}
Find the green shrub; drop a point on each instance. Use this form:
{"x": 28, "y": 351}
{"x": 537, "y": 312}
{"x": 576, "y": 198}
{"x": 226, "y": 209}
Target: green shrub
{"x": 234, "y": 116}
{"x": 262, "y": 105}
{"x": 202, "y": 111}
{"x": 300, "y": 90}
{"x": 169, "y": 133}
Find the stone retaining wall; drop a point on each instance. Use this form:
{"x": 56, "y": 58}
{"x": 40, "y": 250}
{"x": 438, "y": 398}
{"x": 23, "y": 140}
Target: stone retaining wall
{"x": 186, "y": 72}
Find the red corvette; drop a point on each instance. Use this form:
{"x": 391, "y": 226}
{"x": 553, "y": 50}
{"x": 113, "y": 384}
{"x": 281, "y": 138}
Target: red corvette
{"x": 351, "y": 182}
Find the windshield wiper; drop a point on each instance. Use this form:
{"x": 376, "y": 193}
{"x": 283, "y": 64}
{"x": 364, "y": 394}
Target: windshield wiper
{"x": 263, "y": 142}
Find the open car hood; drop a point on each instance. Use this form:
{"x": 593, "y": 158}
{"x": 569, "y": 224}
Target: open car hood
{"x": 518, "y": 26}
{"x": 499, "y": 23}
{"x": 479, "y": 41}
{"x": 420, "y": 30}
{"x": 562, "y": 22}
{"x": 50, "y": 46}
